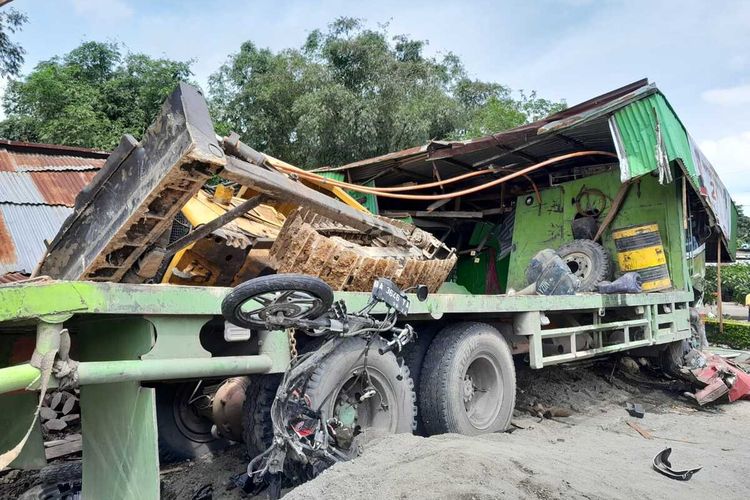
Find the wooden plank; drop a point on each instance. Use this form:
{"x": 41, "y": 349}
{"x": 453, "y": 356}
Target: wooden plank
{"x": 443, "y": 214}
{"x": 67, "y": 447}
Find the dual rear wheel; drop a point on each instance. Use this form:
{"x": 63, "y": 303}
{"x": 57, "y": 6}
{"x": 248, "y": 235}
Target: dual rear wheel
{"x": 468, "y": 381}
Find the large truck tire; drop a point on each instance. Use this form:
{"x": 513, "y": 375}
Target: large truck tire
{"x": 588, "y": 261}
{"x": 183, "y": 433}
{"x": 338, "y": 383}
{"x": 468, "y": 381}
{"x": 414, "y": 355}
{"x": 257, "y": 429}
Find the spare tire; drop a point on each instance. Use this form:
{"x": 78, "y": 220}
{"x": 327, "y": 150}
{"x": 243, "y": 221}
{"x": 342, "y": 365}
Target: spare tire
{"x": 588, "y": 261}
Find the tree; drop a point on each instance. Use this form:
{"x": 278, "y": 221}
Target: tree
{"x": 743, "y": 227}
{"x": 351, "y": 92}
{"x": 89, "y": 97}
{"x": 11, "y": 53}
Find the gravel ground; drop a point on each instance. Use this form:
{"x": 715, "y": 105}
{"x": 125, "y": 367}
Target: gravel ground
{"x": 593, "y": 453}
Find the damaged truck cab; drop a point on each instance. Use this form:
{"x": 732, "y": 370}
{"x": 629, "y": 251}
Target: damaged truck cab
{"x": 611, "y": 186}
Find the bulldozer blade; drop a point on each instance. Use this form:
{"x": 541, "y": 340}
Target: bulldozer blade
{"x": 133, "y": 200}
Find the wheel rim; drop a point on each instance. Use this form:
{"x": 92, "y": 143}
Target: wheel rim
{"x": 373, "y": 412}
{"x": 482, "y": 391}
{"x": 287, "y": 305}
{"x": 579, "y": 264}
{"x": 187, "y": 416}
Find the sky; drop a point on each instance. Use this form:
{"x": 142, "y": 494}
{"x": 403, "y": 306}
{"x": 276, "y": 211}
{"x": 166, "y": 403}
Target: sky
{"x": 697, "y": 52}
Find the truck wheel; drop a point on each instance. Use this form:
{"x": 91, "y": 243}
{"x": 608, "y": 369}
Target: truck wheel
{"x": 588, "y": 261}
{"x": 468, "y": 381}
{"x": 414, "y": 354}
{"x": 184, "y": 433}
{"x": 257, "y": 429}
{"x": 338, "y": 384}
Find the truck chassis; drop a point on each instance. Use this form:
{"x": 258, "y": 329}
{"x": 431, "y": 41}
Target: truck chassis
{"x": 128, "y": 335}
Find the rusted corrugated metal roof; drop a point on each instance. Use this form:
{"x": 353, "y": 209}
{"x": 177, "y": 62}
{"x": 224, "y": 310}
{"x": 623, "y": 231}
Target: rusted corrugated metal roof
{"x": 26, "y": 227}
{"x": 12, "y": 278}
{"x": 16, "y": 187}
{"x": 61, "y": 188}
{"x": 467, "y": 155}
{"x": 30, "y": 162}
{"x": 42, "y": 188}
{"x": 38, "y": 185}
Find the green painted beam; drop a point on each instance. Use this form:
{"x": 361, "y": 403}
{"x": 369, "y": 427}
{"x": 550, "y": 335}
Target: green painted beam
{"x": 37, "y": 300}
{"x": 14, "y": 378}
{"x": 106, "y": 372}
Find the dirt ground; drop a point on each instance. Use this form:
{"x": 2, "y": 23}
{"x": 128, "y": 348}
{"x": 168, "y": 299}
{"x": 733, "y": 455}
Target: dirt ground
{"x": 592, "y": 454}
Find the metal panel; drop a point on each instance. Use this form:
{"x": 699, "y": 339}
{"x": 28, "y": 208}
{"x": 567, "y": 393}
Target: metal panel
{"x": 60, "y": 188}
{"x": 118, "y": 419}
{"x": 18, "y": 187}
{"x": 29, "y": 226}
{"x": 34, "y": 162}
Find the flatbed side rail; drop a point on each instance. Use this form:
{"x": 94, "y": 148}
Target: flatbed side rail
{"x": 43, "y": 298}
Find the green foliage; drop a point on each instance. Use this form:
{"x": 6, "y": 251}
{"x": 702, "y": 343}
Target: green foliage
{"x": 735, "y": 283}
{"x": 736, "y": 333}
{"x": 743, "y": 227}
{"x": 351, "y": 92}
{"x": 89, "y": 97}
{"x": 11, "y": 53}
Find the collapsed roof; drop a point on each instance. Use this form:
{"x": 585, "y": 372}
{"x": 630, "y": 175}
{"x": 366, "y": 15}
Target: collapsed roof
{"x": 634, "y": 123}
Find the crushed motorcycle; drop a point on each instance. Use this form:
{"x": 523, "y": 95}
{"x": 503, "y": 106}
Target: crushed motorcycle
{"x": 313, "y": 430}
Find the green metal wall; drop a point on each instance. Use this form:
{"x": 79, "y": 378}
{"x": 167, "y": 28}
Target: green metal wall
{"x": 369, "y": 201}
{"x": 471, "y": 271}
{"x": 549, "y": 225}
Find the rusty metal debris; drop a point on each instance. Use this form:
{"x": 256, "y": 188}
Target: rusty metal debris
{"x": 121, "y": 227}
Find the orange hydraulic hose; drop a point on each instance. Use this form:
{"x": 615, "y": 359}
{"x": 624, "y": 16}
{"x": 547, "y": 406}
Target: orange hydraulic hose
{"x": 414, "y": 187}
{"x": 444, "y": 196}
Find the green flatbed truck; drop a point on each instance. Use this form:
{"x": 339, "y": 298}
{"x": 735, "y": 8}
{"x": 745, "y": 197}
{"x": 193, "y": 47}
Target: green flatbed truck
{"x": 124, "y": 343}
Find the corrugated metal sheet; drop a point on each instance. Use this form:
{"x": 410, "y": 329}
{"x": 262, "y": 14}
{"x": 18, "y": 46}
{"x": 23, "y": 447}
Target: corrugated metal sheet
{"x": 27, "y": 227}
{"x": 38, "y": 184}
{"x": 31, "y": 162}
{"x": 42, "y": 188}
{"x": 7, "y": 247}
{"x": 17, "y": 187}
{"x": 12, "y": 278}
{"x": 637, "y": 125}
{"x": 60, "y": 188}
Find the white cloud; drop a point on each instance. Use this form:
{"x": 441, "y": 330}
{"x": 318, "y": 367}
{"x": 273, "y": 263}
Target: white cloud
{"x": 730, "y": 96}
{"x": 107, "y": 11}
{"x": 730, "y": 156}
